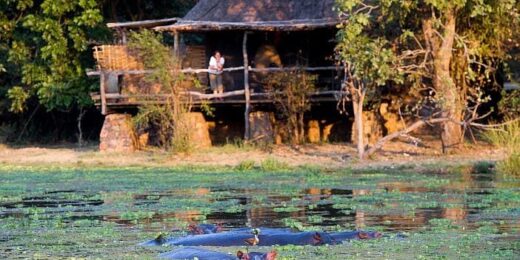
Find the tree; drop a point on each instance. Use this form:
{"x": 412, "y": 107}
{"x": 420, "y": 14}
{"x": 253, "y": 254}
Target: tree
{"x": 135, "y": 10}
{"x": 174, "y": 126}
{"x": 43, "y": 52}
{"x": 450, "y": 47}
{"x": 291, "y": 92}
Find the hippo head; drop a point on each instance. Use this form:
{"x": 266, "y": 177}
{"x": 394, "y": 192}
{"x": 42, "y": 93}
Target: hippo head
{"x": 317, "y": 239}
{"x": 257, "y": 256}
{"x": 368, "y": 235}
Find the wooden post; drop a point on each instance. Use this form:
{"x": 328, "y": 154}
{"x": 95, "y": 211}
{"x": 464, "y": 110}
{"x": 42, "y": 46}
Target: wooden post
{"x": 176, "y": 43}
{"x": 247, "y": 93}
{"x": 123, "y": 37}
{"x": 102, "y": 89}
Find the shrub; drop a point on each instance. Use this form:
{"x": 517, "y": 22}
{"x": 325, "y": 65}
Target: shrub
{"x": 509, "y": 106}
{"x": 169, "y": 119}
{"x": 291, "y": 93}
{"x": 511, "y": 164}
{"x": 272, "y": 165}
{"x": 246, "y": 165}
{"x": 508, "y": 138}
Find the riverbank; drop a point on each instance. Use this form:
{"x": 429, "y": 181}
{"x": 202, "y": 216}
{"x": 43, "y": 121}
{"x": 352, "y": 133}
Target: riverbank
{"x": 333, "y": 156}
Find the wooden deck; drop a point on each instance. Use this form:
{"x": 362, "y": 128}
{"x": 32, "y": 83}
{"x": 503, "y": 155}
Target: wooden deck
{"x": 237, "y": 97}
{"x": 196, "y": 98}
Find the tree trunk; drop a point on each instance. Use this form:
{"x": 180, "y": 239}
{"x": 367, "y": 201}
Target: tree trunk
{"x": 301, "y": 128}
{"x": 443, "y": 83}
{"x": 80, "y": 130}
{"x": 357, "y": 103}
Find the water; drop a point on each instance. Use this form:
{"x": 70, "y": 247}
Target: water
{"x": 51, "y": 212}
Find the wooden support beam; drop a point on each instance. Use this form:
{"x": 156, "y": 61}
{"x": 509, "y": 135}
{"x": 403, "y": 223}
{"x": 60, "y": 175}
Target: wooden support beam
{"x": 102, "y": 89}
{"x": 92, "y": 73}
{"x": 231, "y": 69}
{"x": 214, "y": 96}
{"x": 176, "y": 43}
{"x": 200, "y": 96}
{"x": 195, "y": 71}
{"x": 247, "y": 92}
{"x": 324, "y": 68}
{"x": 124, "y": 39}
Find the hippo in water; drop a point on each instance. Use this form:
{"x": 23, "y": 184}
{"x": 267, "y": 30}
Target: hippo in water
{"x": 204, "y": 229}
{"x": 204, "y": 254}
{"x": 267, "y": 237}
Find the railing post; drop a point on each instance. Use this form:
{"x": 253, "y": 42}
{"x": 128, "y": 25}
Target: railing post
{"x": 176, "y": 43}
{"x": 102, "y": 90}
{"x": 247, "y": 93}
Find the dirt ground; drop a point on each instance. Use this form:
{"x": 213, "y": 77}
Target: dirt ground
{"x": 322, "y": 155}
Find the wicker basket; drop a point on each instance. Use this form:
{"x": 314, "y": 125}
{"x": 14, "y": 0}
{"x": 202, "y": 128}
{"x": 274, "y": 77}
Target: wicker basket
{"x": 116, "y": 57}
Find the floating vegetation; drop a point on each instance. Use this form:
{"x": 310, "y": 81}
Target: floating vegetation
{"x": 105, "y": 213}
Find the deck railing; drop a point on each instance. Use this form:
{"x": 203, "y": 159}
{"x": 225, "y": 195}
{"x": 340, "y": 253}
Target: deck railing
{"x": 108, "y": 66}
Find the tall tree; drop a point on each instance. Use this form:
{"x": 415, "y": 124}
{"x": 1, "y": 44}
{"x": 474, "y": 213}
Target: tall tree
{"x": 43, "y": 45}
{"x": 134, "y": 10}
{"x": 451, "y": 47}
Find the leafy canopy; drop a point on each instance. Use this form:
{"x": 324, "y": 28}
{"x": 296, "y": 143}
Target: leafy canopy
{"x": 384, "y": 39}
{"x": 43, "y": 51}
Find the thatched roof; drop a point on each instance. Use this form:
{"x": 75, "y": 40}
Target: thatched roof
{"x": 265, "y": 15}
{"x": 143, "y": 24}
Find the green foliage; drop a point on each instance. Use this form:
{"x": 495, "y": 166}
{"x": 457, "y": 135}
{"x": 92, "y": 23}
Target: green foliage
{"x": 509, "y": 106}
{"x": 132, "y": 213}
{"x": 442, "y": 52}
{"x": 18, "y": 97}
{"x": 43, "y": 46}
{"x": 369, "y": 59}
{"x": 171, "y": 119}
{"x": 291, "y": 93}
{"x": 246, "y": 165}
{"x": 507, "y": 137}
{"x": 511, "y": 165}
{"x": 378, "y": 37}
{"x": 483, "y": 167}
{"x": 293, "y": 224}
{"x": 273, "y": 165}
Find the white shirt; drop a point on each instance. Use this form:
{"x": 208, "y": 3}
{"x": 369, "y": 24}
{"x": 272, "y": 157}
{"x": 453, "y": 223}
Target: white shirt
{"x": 213, "y": 63}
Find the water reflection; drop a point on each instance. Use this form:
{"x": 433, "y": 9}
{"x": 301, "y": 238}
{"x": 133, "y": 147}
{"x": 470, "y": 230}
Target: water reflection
{"x": 393, "y": 205}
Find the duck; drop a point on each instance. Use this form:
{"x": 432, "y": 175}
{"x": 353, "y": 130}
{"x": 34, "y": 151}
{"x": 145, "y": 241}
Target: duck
{"x": 254, "y": 240}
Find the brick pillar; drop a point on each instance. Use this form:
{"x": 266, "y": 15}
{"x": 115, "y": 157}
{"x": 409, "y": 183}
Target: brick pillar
{"x": 117, "y": 134}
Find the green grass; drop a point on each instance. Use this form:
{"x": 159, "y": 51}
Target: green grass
{"x": 246, "y": 165}
{"x": 508, "y": 138}
{"x": 272, "y": 165}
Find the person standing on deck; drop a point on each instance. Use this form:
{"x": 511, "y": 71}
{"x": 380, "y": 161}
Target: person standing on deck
{"x": 216, "y": 67}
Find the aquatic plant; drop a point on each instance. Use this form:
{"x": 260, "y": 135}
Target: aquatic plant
{"x": 138, "y": 203}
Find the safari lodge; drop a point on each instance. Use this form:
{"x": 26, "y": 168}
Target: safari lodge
{"x": 256, "y": 39}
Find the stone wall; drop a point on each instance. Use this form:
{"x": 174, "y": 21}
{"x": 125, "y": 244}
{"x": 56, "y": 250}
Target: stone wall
{"x": 117, "y": 134}
{"x": 261, "y": 126}
{"x": 313, "y": 131}
{"x": 372, "y": 128}
{"x": 392, "y": 121}
{"x": 199, "y": 133}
